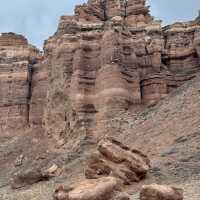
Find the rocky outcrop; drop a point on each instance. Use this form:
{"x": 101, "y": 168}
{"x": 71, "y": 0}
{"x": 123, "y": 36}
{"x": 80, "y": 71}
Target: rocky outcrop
{"x": 112, "y": 57}
{"x": 16, "y": 60}
{"x": 164, "y": 192}
{"x": 35, "y": 174}
{"x": 111, "y": 167}
{"x": 28, "y": 177}
{"x": 115, "y": 159}
{"x": 95, "y": 11}
{"x": 107, "y": 188}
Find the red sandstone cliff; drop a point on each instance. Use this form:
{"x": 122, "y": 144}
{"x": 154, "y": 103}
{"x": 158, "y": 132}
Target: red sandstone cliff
{"x": 103, "y": 66}
{"x": 17, "y": 58}
{"x": 112, "y": 57}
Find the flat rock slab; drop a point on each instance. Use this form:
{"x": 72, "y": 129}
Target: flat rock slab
{"x": 106, "y": 188}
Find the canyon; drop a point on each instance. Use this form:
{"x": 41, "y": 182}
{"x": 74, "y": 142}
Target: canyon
{"x": 110, "y": 70}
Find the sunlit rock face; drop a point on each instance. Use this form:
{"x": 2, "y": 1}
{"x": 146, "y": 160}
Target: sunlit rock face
{"x": 112, "y": 57}
{"x": 16, "y": 60}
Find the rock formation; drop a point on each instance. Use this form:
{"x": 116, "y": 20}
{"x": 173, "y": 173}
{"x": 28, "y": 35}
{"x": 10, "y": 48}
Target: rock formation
{"x": 115, "y": 159}
{"x": 164, "y": 192}
{"x": 35, "y": 174}
{"x": 107, "y": 188}
{"x": 28, "y": 177}
{"x": 108, "y": 59}
{"x": 17, "y": 58}
{"x": 112, "y": 57}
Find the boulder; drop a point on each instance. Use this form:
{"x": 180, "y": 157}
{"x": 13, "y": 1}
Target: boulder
{"x": 32, "y": 175}
{"x": 106, "y": 188}
{"x": 27, "y": 177}
{"x": 117, "y": 160}
{"x": 161, "y": 192}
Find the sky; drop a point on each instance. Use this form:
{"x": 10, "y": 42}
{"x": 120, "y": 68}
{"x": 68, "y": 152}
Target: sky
{"x": 38, "y": 19}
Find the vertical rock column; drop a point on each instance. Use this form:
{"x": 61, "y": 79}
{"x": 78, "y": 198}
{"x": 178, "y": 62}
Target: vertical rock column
{"x": 16, "y": 58}
{"x": 86, "y": 63}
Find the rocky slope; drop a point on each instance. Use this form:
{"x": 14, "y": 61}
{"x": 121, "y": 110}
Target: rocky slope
{"x": 109, "y": 70}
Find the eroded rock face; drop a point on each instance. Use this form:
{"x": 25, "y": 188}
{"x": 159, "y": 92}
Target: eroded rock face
{"x": 38, "y": 90}
{"x": 16, "y": 60}
{"x": 115, "y": 159}
{"x": 107, "y": 188}
{"x": 133, "y": 11}
{"x": 158, "y": 192}
{"x": 112, "y": 57}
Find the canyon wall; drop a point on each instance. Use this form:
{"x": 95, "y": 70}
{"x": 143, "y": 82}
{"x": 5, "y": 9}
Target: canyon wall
{"x": 110, "y": 57}
{"x": 17, "y": 58}
{"x": 113, "y": 57}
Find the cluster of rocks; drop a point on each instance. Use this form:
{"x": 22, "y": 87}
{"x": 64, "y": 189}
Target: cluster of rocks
{"x": 109, "y": 188}
{"x": 106, "y": 188}
{"x": 113, "y": 166}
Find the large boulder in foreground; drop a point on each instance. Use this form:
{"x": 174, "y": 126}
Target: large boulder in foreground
{"x": 106, "y": 188}
{"x": 161, "y": 192}
{"x": 117, "y": 160}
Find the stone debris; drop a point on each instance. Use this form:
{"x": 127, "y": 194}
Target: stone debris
{"x": 19, "y": 160}
{"x": 161, "y": 192}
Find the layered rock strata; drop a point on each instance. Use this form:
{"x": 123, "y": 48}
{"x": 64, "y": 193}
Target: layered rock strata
{"x": 17, "y": 58}
{"x": 38, "y": 89}
{"x": 112, "y": 57}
